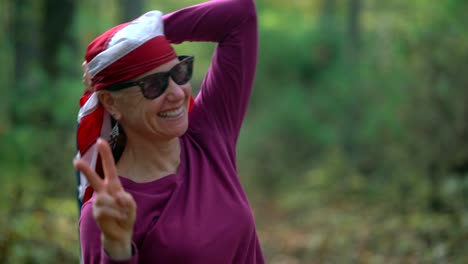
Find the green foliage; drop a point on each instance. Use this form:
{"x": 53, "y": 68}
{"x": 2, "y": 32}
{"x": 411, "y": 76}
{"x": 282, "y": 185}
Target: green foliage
{"x": 38, "y": 229}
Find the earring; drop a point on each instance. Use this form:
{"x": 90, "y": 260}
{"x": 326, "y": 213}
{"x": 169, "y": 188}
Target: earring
{"x": 114, "y": 135}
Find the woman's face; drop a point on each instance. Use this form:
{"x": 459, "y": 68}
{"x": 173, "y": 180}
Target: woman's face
{"x": 162, "y": 118}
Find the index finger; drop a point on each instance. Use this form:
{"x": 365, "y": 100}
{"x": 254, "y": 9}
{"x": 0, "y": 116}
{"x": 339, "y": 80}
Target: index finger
{"x": 108, "y": 165}
{"x": 93, "y": 178}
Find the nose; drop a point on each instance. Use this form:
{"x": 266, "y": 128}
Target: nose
{"x": 174, "y": 91}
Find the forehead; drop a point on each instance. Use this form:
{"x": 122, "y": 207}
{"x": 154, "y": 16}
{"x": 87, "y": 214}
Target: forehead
{"x": 162, "y": 68}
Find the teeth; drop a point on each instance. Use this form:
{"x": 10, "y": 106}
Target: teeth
{"x": 172, "y": 113}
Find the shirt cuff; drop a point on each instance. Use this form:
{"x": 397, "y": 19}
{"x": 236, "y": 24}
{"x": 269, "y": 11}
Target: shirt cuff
{"x": 132, "y": 260}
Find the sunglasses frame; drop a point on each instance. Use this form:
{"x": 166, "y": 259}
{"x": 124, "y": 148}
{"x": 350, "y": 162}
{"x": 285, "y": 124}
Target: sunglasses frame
{"x": 141, "y": 82}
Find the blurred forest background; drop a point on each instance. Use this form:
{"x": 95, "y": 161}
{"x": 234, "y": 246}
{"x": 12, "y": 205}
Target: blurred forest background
{"x": 354, "y": 149}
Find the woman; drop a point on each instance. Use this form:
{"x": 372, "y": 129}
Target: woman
{"x": 174, "y": 195}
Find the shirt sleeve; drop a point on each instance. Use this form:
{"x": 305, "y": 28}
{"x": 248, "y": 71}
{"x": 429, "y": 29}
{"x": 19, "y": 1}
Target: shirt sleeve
{"x": 225, "y": 90}
{"x": 92, "y": 251}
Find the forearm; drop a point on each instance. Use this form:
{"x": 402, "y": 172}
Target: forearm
{"x": 209, "y": 21}
{"x": 227, "y": 86}
{"x": 97, "y": 250}
{"x": 109, "y": 252}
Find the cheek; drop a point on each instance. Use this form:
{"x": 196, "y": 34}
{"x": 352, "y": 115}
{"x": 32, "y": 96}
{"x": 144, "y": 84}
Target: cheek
{"x": 131, "y": 105}
{"x": 151, "y": 107}
{"x": 187, "y": 89}
{"x": 130, "y": 100}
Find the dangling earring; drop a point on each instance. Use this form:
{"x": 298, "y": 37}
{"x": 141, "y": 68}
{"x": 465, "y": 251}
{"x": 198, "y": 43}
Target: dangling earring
{"x": 114, "y": 134}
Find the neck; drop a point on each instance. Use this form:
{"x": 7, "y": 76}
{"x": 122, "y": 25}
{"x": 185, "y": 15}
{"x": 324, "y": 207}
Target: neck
{"x": 145, "y": 160}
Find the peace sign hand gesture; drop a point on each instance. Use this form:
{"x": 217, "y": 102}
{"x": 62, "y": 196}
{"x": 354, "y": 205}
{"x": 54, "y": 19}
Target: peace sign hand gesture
{"x": 114, "y": 209}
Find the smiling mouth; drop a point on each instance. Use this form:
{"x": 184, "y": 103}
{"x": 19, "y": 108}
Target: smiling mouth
{"x": 172, "y": 113}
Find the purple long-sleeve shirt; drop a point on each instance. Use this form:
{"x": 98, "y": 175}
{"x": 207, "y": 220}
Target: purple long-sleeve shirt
{"x": 200, "y": 214}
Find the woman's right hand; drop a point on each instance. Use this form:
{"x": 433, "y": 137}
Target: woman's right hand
{"x": 86, "y": 78}
{"x": 114, "y": 209}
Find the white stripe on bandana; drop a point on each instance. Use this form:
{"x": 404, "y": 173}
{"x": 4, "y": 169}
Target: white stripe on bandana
{"x": 128, "y": 39}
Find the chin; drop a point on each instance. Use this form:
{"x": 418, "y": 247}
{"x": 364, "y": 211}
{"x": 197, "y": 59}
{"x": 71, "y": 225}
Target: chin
{"x": 182, "y": 130}
{"x": 178, "y": 130}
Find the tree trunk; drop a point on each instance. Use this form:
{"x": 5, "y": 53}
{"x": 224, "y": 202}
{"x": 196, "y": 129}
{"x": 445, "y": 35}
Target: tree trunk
{"x": 131, "y": 9}
{"x": 354, "y": 28}
{"x": 24, "y": 37}
{"x": 6, "y": 75}
{"x": 354, "y": 113}
{"x": 327, "y": 19}
{"x": 57, "y": 20}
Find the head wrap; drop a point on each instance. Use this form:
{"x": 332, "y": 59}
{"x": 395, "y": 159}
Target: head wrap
{"x": 120, "y": 54}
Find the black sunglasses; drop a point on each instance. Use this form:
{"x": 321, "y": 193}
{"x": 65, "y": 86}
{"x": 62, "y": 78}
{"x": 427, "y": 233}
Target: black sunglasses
{"x": 154, "y": 85}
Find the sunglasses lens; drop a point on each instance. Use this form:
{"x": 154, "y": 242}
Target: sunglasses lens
{"x": 182, "y": 73}
{"x": 155, "y": 85}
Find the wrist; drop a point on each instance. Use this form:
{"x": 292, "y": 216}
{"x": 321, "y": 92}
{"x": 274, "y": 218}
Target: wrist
{"x": 117, "y": 249}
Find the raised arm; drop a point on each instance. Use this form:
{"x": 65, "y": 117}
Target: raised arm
{"x": 226, "y": 89}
